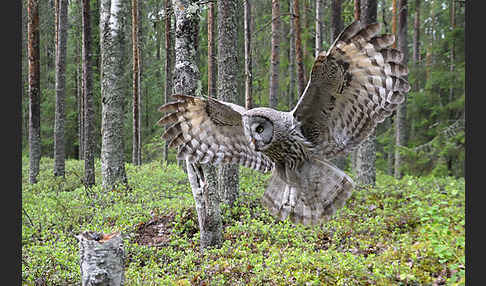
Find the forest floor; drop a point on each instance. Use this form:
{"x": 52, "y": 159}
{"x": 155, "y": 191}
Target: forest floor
{"x": 401, "y": 232}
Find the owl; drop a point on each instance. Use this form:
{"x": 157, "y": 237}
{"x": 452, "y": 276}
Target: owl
{"x": 352, "y": 87}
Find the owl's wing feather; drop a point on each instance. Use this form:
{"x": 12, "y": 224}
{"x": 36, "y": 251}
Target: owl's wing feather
{"x": 355, "y": 85}
{"x": 210, "y": 131}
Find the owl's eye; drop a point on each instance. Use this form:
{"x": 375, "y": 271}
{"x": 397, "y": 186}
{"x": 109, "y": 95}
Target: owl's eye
{"x": 259, "y": 129}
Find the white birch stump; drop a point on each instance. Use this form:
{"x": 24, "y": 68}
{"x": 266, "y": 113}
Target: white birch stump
{"x": 101, "y": 259}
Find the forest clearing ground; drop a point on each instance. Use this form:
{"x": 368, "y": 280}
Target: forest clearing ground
{"x": 402, "y": 232}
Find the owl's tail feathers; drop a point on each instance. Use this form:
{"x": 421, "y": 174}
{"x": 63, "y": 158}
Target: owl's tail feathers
{"x": 325, "y": 189}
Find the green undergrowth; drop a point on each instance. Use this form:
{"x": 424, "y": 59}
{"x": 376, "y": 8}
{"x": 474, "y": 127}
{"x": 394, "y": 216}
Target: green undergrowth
{"x": 401, "y": 232}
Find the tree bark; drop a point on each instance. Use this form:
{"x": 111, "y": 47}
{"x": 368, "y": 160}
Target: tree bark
{"x": 452, "y": 56}
{"x": 357, "y": 9}
{"x": 394, "y": 20}
{"x": 227, "y": 87}
{"x": 34, "y": 89}
{"x": 89, "y": 168}
{"x": 112, "y": 152}
{"x": 135, "y": 85}
{"x": 366, "y": 151}
{"x": 416, "y": 42}
{"x": 168, "y": 65}
{"x": 318, "y": 45}
{"x": 186, "y": 77}
{"x": 61, "y": 33}
{"x": 101, "y": 259}
{"x": 336, "y": 19}
{"x": 401, "y": 121}
{"x": 299, "y": 59}
{"x": 248, "y": 62}
{"x": 336, "y": 28}
{"x": 275, "y": 55}
{"x": 292, "y": 55}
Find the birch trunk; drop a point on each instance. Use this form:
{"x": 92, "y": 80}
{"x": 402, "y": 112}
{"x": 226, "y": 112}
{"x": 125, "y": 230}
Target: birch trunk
{"x": 186, "y": 77}
{"x": 112, "y": 115}
{"x": 275, "y": 58}
{"x": 89, "y": 168}
{"x": 401, "y": 117}
{"x": 61, "y": 33}
{"x": 101, "y": 259}
{"x": 227, "y": 87}
{"x": 34, "y": 89}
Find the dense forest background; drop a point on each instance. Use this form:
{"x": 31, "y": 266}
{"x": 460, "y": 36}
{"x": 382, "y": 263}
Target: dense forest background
{"x": 435, "y": 105}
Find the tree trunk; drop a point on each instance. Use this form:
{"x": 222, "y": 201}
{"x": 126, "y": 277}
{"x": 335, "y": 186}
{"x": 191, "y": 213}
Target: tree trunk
{"x": 34, "y": 89}
{"x": 136, "y": 90}
{"x": 248, "y": 70}
{"x": 227, "y": 87}
{"x": 401, "y": 121}
{"x": 101, "y": 259}
{"x": 336, "y": 19}
{"x": 336, "y": 28}
{"x": 89, "y": 168}
{"x": 112, "y": 98}
{"x": 186, "y": 77}
{"x": 366, "y": 151}
{"x": 298, "y": 50}
{"x": 61, "y": 32}
{"x": 168, "y": 63}
{"x": 292, "y": 54}
{"x": 452, "y": 56}
{"x": 275, "y": 58}
{"x": 416, "y": 42}
{"x": 357, "y": 10}
{"x": 318, "y": 28}
{"x": 211, "y": 54}
{"x": 394, "y": 20}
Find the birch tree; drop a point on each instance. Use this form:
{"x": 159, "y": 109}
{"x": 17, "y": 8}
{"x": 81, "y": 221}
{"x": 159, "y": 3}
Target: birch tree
{"x": 227, "y": 87}
{"x": 186, "y": 77}
{"x": 112, "y": 96}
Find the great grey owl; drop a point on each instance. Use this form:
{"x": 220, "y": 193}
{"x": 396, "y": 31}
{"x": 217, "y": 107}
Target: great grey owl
{"x": 353, "y": 86}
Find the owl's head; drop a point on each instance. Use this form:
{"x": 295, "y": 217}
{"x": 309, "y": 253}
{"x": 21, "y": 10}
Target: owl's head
{"x": 258, "y": 128}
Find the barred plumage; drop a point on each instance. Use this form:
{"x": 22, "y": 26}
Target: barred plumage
{"x": 352, "y": 87}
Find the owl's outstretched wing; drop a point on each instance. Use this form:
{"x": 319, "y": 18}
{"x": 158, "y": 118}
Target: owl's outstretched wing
{"x": 355, "y": 85}
{"x": 210, "y": 131}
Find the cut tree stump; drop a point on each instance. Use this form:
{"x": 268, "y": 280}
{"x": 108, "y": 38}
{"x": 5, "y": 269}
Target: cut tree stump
{"x": 101, "y": 259}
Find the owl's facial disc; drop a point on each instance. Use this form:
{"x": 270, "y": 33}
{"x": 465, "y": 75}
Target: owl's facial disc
{"x": 261, "y": 132}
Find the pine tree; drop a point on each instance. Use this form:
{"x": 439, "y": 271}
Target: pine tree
{"x": 366, "y": 152}
{"x": 275, "y": 59}
{"x": 89, "y": 168}
{"x": 401, "y": 116}
{"x": 60, "y": 115}
{"x": 34, "y": 89}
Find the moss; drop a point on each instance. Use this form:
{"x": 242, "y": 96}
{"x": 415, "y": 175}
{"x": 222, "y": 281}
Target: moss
{"x": 402, "y": 232}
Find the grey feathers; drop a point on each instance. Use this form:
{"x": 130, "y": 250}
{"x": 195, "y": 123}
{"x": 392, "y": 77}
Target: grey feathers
{"x": 352, "y": 87}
